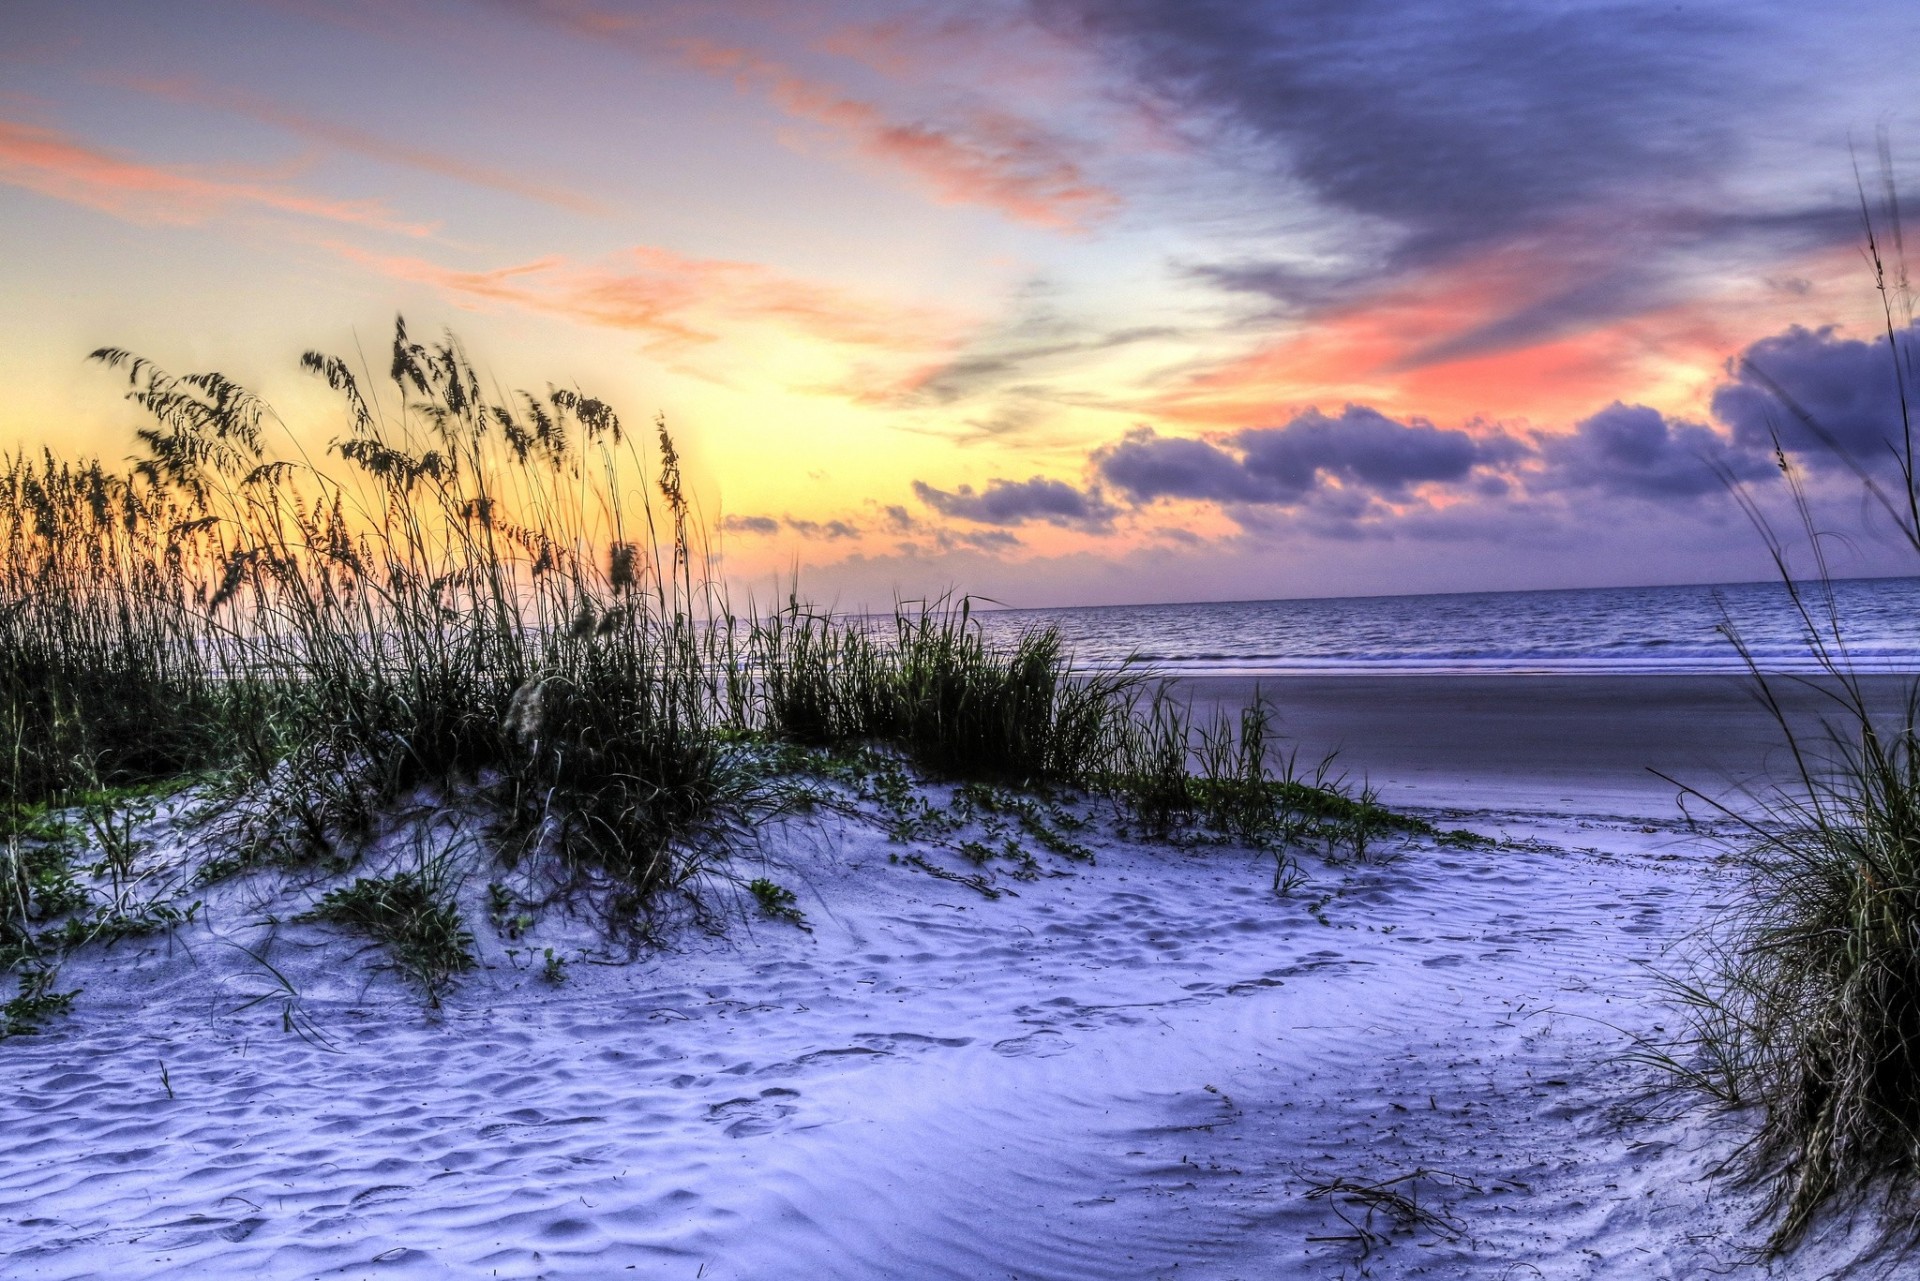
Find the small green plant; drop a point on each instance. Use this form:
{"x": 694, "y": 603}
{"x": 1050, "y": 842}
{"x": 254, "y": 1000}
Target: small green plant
{"x": 35, "y": 1003}
{"x": 37, "y": 883}
{"x": 411, "y": 913}
{"x": 508, "y": 915}
{"x": 553, "y": 969}
{"x": 776, "y": 901}
{"x": 114, "y": 922}
{"x": 1288, "y": 875}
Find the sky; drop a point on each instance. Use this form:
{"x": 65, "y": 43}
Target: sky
{"x": 1053, "y": 301}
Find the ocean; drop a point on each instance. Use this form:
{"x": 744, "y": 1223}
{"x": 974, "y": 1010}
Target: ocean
{"x": 1589, "y": 630}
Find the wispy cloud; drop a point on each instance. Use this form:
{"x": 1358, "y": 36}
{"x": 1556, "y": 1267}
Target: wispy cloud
{"x": 678, "y": 301}
{"x": 987, "y": 157}
{"x": 65, "y": 168}
{"x": 767, "y": 526}
{"x": 975, "y": 155}
{"x": 347, "y": 138}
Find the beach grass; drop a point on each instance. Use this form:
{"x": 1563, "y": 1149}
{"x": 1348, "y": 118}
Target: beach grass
{"x": 1805, "y": 1000}
{"x": 411, "y": 913}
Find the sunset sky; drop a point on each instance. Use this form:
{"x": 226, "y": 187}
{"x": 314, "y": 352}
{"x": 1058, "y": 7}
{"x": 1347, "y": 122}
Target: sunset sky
{"x": 1069, "y": 301}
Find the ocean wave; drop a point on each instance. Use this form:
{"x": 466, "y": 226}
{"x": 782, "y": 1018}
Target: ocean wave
{"x": 1624, "y": 630}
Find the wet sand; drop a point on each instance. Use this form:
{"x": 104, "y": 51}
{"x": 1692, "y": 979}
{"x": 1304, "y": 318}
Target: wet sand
{"x": 1539, "y": 742}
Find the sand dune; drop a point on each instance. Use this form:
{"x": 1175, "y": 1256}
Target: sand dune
{"x": 1141, "y": 1067}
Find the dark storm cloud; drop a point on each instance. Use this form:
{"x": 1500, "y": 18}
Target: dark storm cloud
{"x": 1009, "y": 502}
{"x": 1635, "y": 451}
{"x": 1820, "y": 392}
{"x": 1605, "y": 140}
{"x": 1462, "y": 124}
{"x": 1362, "y": 448}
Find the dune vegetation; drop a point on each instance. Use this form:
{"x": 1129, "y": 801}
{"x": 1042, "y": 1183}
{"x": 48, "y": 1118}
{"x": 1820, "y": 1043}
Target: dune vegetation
{"x": 1804, "y": 1001}
{"x": 511, "y": 602}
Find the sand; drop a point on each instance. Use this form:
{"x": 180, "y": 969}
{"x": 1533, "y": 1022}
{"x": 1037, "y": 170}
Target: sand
{"x": 1548, "y": 744}
{"x": 1139, "y": 1067}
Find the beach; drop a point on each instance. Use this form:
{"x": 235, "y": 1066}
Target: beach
{"x": 1543, "y": 742}
{"x": 1137, "y": 1061}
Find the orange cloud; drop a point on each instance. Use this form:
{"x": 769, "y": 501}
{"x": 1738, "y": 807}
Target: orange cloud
{"x": 64, "y": 168}
{"x": 678, "y": 301}
{"x": 995, "y": 159}
{"x": 1371, "y": 351}
{"x": 347, "y": 138}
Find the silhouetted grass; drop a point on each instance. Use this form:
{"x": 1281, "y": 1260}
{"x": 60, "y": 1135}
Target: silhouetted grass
{"x": 102, "y": 675}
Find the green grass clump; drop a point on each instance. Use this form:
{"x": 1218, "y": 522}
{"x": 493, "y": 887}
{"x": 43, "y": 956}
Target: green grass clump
{"x": 1807, "y": 1004}
{"x": 1805, "y": 1000}
{"x": 34, "y": 1004}
{"x": 411, "y": 914}
{"x": 776, "y": 901}
{"x": 928, "y": 682}
{"x": 1230, "y": 779}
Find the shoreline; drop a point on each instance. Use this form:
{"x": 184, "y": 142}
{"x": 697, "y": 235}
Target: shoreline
{"x": 1538, "y": 743}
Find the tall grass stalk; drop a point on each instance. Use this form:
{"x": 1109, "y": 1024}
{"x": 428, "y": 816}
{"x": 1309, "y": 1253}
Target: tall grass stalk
{"x": 1807, "y": 1002}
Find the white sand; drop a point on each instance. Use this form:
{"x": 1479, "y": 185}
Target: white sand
{"x": 1134, "y": 1069}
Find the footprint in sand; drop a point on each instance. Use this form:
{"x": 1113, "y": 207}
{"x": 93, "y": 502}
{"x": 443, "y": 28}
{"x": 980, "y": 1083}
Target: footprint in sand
{"x": 1043, "y": 1044}
{"x": 744, "y": 1117}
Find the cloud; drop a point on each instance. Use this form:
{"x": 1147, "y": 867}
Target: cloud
{"x": 1460, "y": 126}
{"x": 1009, "y": 357}
{"x": 680, "y": 301}
{"x": 1145, "y": 465}
{"x": 766, "y": 526}
{"x": 1846, "y": 387}
{"x": 1009, "y": 502}
{"x": 1602, "y": 148}
{"x": 1634, "y": 451}
{"x": 987, "y": 157}
{"x": 1362, "y": 449}
{"x": 1627, "y": 472}
{"x": 65, "y": 168}
{"x": 980, "y": 155}
{"x": 830, "y": 530}
{"x": 347, "y": 138}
